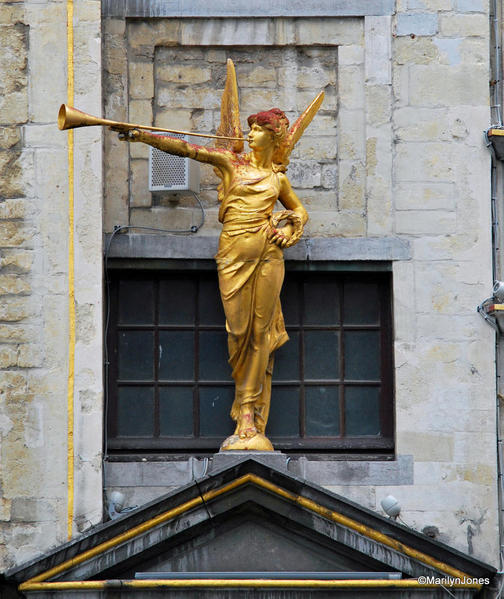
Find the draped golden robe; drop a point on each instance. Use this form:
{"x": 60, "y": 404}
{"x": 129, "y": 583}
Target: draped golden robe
{"x": 251, "y": 272}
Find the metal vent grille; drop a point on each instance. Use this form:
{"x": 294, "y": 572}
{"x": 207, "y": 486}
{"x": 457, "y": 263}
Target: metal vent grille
{"x": 172, "y": 173}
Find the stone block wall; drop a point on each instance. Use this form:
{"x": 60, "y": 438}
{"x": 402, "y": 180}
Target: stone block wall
{"x": 400, "y": 158}
{"x": 445, "y": 408}
{"x": 175, "y": 76}
{"x": 34, "y": 281}
{"x": 406, "y": 123}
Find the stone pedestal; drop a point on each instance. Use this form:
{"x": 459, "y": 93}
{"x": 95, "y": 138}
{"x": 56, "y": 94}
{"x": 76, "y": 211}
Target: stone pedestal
{"x": 225, "y": 459}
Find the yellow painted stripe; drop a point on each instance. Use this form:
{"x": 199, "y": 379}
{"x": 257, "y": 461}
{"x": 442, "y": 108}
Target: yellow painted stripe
{"x": 498, "y": 132}
{"x": 248, "y": 478}
{"x": 71, "y": 280}
{"x": 238, "y": 583}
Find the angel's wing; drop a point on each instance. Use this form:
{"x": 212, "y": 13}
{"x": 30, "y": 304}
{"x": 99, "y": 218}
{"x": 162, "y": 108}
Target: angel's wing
{"x": 282, "y": 154}
{"x": 230, "y": 113}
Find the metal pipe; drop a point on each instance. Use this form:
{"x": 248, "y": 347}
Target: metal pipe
{"x": 255, "y": 583}
{"x": 268, "y": 575}
{"x": 496, "y": 65}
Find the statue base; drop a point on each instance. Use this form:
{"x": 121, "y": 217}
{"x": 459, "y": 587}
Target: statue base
{"x": 256, "y": 443}
{"x": 227, "y": 459}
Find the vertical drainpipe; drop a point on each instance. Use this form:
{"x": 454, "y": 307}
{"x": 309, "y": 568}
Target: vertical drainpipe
{"x": 496, "y": 169}
{"x": 71, "y": 282}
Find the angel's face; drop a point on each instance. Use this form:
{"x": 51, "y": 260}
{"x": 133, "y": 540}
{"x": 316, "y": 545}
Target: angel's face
{"x": 259, "y": 137}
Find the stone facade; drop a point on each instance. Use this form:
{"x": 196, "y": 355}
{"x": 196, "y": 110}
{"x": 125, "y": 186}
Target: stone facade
{"x": 395, "y": 155}
{"x": 34, "y": 277}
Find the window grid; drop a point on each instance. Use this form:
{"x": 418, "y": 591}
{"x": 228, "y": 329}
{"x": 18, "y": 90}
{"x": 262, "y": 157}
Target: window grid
{"x": 340, "y": 442}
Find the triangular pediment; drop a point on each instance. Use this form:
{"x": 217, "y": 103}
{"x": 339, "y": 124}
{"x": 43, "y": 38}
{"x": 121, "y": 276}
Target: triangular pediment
{"x": 248, "y": 518}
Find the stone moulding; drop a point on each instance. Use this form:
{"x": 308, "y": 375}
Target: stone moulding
{"x": 243, "y": 8}
{"x": 253, "y": 497}
{"x": 131, "y": 246}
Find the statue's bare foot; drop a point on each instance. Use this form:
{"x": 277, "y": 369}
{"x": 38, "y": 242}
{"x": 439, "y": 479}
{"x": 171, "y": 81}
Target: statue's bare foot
{"x": 259, "y": 423}
{"x": 246, "y": 427}
{"x": 247, "y": 433}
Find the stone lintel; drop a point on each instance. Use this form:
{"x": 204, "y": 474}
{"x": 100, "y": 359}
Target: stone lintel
{"x": 246, "y": 9}
{"x": 133, "y": 246}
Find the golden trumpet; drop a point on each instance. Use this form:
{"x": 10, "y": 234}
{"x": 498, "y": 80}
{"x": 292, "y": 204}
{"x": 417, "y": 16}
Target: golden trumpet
{"x": 71, "y": 118}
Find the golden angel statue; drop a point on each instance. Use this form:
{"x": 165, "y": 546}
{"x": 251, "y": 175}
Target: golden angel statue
{"x": 250, "y": 258}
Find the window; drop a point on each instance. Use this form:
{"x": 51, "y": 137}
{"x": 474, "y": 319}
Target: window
{"x": 170, "y": 387}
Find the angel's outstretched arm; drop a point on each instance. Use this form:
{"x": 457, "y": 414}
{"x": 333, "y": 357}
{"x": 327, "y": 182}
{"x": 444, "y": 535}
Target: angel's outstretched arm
{"x": 219, "y": 158}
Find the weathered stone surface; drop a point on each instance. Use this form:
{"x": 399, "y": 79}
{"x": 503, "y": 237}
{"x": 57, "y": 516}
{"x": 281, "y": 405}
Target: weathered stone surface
{"x": 331, "y": 223}
{"x": 464, "y": 25}
{"x": 426, "y": 196}
{"x": 142, "y": 34}
{"x": 378, "y": 50}
{"x": 13, "y": 284}
{"x": 417, "y": 24}
{"x": 350, "y": 55}
{"x": 426, "y": 222}
{"x": 9, "y": 137}
{"x": 352, "y": 186}
{"x": 14, "y": 234}
{"x": 378, "y": 103}
{"x": 13, "y": 208}
{"x": 415, "y": 50}
{"x": 180, "y": 219}
{"x": 140, "y": 194}
{"x": 351, "y": 87}
{"x": 426, "y": 447}
{"x": 16, "y": 309}
{"x": 141, "y": 80}
{"x": 470, "y": 6}
{"x": 434, "y": 162}
{"x": 183, "y": 75}
{"x": 430, "y": 5}
{"x": 351, "y": 135}
{"x": 443, "y": 85}
{"x": 11, "y": 175}
{"x": 258, "y": 77}
{"x": 329, "y": 31}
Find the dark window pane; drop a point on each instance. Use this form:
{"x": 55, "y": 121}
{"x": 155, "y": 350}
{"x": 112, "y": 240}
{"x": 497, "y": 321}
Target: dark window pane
{"x": 176, "y": 411}
{"x": 210, "y": 303}
{"x": 176, "y": 355}
{"x": 136, "y": 355}
{"x": 136, "y": 302}
{"x": 284, "y": 412}
{"x": 321, "y": 355}
{"x": 286, "y": 365}
{"x": 362, "y": 410}
{"x": 289, "y": 298}
{"x": 213, "y": 356}
{"x": 215, "y": 406}
{"x": 321, "y": 302}
{"x": 361, "y": 303}
{"x": 135, "y": 412}
{"x": 322, "y": 411}
{"x": 362, "y": 355}
{"x": 327, "y": 379}
{"x": 177, "y": 301}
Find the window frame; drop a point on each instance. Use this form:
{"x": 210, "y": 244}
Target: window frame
{"x": 376, "y": 445}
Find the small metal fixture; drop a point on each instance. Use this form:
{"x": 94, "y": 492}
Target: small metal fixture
{"x": 173, "y": 173}
{"x": 492, "y": 308}
{"x": 391, "y": 506}
{"x": 495, "y": 137}
{"x": 115, "y": 505}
